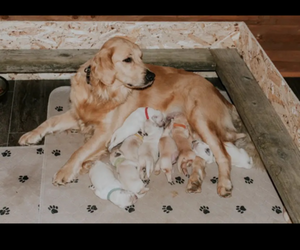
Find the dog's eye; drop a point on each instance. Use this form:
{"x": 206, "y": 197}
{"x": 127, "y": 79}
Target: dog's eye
{"x": 128, "y": 60}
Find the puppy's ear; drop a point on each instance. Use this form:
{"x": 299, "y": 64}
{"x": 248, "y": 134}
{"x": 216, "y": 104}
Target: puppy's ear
{"x": 154, "y": 118}
{"x": 102, "y": 68}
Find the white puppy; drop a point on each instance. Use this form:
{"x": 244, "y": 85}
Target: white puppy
{"x": 134, "y": 122}
{"x": 107, "y": 187}
{"x": 127, "y": 172}
{"x": 148, "y": 151}
{"x": 130, "y": 146}
{"x": 239, "y": 156}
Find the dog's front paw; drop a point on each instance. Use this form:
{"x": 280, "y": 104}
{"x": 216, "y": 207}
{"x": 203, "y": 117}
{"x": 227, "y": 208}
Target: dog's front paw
{"x": 63, "y": 176}
{"x": 224, "y": 187}
{"x": 30, "y": 138}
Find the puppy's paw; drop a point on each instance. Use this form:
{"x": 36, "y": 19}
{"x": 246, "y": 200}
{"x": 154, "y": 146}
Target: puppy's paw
{"x": 224, "y": 187}
{"x": 30, "y": 138}
{"x": 194, "y": 184}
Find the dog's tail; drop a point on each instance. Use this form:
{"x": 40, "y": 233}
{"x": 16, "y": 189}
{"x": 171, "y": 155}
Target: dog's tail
{"x": 245, "y": 142}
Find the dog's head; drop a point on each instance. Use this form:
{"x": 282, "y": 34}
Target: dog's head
{"x": 123, "y": 198}
{"x": 120, "y": 61}
{"x": 115, "y": 154}
{"x": 202, "y": 150}
{"x": 157, "y": 117}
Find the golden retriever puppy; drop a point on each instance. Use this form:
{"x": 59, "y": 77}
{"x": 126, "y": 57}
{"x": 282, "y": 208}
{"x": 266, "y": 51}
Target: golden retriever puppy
{"x": 127, "y": 173}
{"x": 107, "y": 187}
{"x": 148, "y": 151}
{"x": 134, "y": 123}
{"x": 238, "y": 156}
{"x": 182, "y": 135}
{"x": 114, "y": 83}
{"x": 168, "y": 153}
{"x": 130, "y": 146}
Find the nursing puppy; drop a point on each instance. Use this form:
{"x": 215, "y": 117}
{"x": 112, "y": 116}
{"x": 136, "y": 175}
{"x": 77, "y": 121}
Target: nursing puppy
{"x": 127, "y": 173}
{"x": 134, "y": 122}
{"x": 107, "y": 187}
{"x": 181, "y": 133}
{"x": 239, "y": 156}
{"x": 148, "y": 151}
{"x": 168, "y": 153}
{"x": 130, "y": 146}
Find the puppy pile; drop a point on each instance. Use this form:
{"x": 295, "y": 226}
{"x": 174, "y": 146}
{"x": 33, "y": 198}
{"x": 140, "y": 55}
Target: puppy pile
{"x": 148, "y": 141}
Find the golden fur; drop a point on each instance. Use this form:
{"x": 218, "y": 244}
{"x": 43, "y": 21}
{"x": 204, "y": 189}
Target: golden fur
{"x": 119, "y": 84}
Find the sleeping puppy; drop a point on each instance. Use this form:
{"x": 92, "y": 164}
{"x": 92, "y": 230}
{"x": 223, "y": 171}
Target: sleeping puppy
{"x": 107, "y": 187}
{"x": 148, "y": 151}
{"x": 130, "y": 146}
{"x": 181, "y": 133}
{"x": 127, "y": 173}
{"x": 134, "y": 122}
{"x": 239, "y": 156}
{"x": 168, "y": 153}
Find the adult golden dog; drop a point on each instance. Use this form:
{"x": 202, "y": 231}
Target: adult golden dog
{"x": 114, "y": 83}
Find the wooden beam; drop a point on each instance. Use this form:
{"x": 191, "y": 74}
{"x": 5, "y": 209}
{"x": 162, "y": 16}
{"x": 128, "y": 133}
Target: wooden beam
{"x": 278, "y": 151}
{"x": 68, "y": 61}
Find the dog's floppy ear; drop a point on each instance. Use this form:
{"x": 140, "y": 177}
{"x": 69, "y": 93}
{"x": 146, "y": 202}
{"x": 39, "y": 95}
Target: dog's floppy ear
{"x": 102, "y": 68}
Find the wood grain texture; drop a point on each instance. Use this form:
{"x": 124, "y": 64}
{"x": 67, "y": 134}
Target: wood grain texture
{"x": 30, "y": 106}
{"x": 278, "y": 152}
{"x": 67, "y": 61}
{"x": 273, "y": 32}
{"x": 5, "y": 114}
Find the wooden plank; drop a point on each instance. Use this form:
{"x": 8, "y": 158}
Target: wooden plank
{"x": 288, "y": 69}
{"x": 68, "y": 61}
{"x": 278, "y": 152}
{"x": 283, "y": 55}
{"x": 248, "y": 19}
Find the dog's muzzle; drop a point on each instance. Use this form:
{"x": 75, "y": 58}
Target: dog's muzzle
{"x": 149, "y": 77}
{"x": 148, "y": 80}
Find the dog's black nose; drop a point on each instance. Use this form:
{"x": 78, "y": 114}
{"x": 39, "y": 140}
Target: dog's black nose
{"x": 149, "y": 76}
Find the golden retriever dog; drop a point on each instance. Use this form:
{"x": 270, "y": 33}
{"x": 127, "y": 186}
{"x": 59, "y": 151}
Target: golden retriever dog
{"x": 114, "y": 83}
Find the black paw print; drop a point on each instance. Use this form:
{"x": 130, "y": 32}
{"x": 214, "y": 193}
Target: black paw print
{"x": 241, "y": 209}
{"x": 277, "y": 209}
{"x": 214, "y": 180}
{"x": 74, "y": 181}
{"x": 23, "y": 178}
{"x": 248, "y": 180}
{"x": 4, "y": 211}
{"x": 204, "y": 209}
{"x": 130, "y": 208}
{"x": 91, "y": 208}
{"x": 59, "y": 108}
{"x": 6, "y": 153}
{"x": 53, "y": 209}
{"x": 179, "y": 180}
{"x": 56, "y": 152}
{"x": 40, "y": 151}
{"x": 167, "y": 209}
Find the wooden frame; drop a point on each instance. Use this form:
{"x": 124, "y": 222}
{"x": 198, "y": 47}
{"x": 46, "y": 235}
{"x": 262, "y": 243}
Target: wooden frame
{"x": 278, "y": 152}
